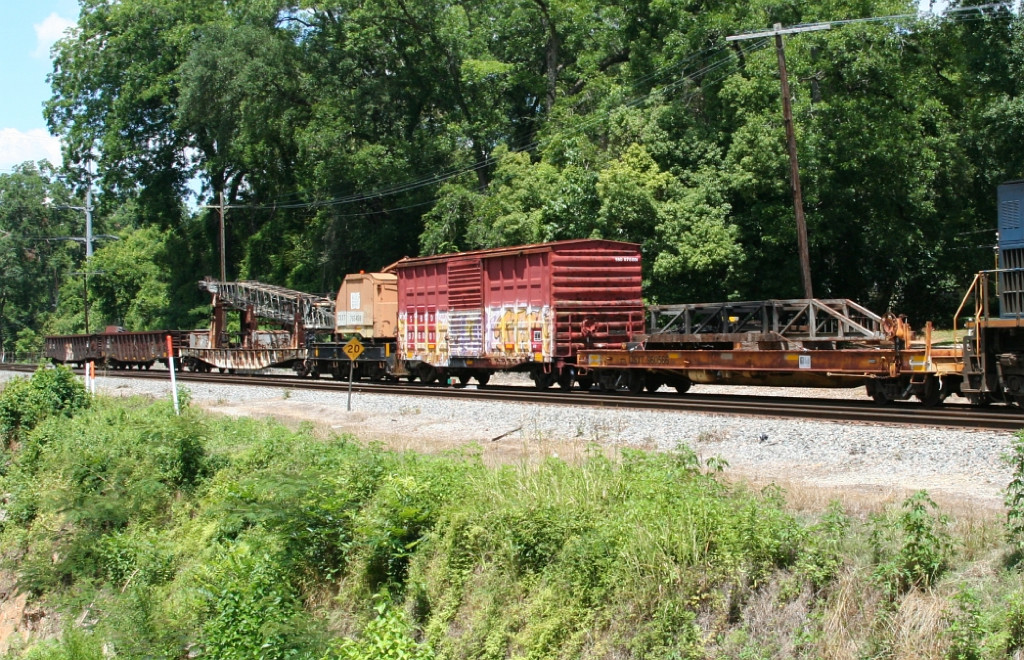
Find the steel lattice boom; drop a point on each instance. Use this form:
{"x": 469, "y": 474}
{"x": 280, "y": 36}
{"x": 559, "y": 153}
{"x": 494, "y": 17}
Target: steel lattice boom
{"x": 274, "y": 303}
{"x": 793, "y": 320}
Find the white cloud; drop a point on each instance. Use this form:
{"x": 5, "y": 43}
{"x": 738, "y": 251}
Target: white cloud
{"x": 16, "y": 147}
{"x": 48, "y": 32}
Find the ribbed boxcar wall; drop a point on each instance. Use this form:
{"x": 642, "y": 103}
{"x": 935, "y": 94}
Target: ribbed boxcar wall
{"x": 423, "y": 312}
{"x": 597, "y": 295}
{"x": 466, "y": 316}
{"x": 517, "y": 304}
{"x": 1011, "y": 248}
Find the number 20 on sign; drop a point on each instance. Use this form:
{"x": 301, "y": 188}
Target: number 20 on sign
{"x": 353, "y": 349}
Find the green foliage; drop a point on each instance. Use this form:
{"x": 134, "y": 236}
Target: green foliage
{"x": 24, "y": 403}
{"x": 130, "y": 287}
{"x": 824, "y": 556}
{"x": 1014, "y": 622}
{"x": 386, "y": 636}
{"x": 911, "y": 550}
{"x": 1014, "y": 495}
{"x": 74, "y": 644}
{"x": 236, "y": 538}
{"x": 965, "y": 630}
{"x": 249, "y": 605}
{"x": 109, "y": 475}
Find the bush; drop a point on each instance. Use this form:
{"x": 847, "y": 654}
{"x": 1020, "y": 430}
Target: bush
{"x": 1014, "y": 495}
{"x": 24, "y": 403}
{"x": 251, "y": 608}
{"x": 386, "y": 636}
{"x": 965, "y": 631}
{"x": 912, "y": 550}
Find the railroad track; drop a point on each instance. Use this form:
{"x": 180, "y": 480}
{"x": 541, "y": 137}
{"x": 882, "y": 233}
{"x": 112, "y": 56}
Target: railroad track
{"x": 950, "y": 415}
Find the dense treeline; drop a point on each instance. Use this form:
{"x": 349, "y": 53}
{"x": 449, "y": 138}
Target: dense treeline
{"x": 345, "y": 135}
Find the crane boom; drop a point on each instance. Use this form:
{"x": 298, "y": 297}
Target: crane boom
{"x": 274, "y": 303}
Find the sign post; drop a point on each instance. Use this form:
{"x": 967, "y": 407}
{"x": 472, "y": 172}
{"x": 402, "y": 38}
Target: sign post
{"x": 353, "y": 349}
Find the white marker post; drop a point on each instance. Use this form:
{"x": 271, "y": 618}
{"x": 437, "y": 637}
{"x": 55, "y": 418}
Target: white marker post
{"x": 170, "y": 366}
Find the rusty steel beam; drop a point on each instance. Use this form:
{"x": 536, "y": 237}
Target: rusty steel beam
{"x": 875, "y": 362}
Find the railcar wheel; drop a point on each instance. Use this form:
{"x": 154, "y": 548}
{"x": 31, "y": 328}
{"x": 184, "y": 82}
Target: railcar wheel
{"x": 543, "y": 380}
{"x": 483, "y": 378}
{"x": 427, "y": 373}
{"x": 931, "y": 393}
{"x": 980, "y": 400}
{"x": 585, "y": 383}
{"x": 876, "y": 390}
{"x": 608, "y": 381}
{"x": 566, "y": 377}
{"x": 463, "y": 379}
{"x": 654, "y": 383}
{"x": 635, "y": 381}
{"x": 682, "y": 385}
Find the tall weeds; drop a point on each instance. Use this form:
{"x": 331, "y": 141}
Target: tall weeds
{"x": 166, "y": 536}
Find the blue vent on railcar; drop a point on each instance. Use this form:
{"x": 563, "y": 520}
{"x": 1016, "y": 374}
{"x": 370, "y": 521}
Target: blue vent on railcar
{"x": 1011, "y": 249}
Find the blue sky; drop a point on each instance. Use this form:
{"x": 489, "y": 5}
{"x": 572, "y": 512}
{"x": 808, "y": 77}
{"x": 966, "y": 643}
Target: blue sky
{"x": 26, "y": 34}
{"x": 27, "y": 31}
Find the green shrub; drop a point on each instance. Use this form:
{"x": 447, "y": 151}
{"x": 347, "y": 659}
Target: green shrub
{"x": 1014, "y": 622}
{"x": 823, "y": 557}
{"x": 1014, "y": 495}
{"x": 74, "y": 644}
{"x": 251, "y": 609}
{"x": 24, "y": 403}
{"x": 386, "y": 636}
{"x": 964, "y": 627}
{"x": 912, "y": 550}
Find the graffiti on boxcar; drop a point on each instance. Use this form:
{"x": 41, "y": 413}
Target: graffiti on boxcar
{"x": 519, "y": 331}
{"x": 424, "y": 335}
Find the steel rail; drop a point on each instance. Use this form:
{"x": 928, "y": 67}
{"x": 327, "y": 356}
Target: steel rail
{"x": 996, "y": 418}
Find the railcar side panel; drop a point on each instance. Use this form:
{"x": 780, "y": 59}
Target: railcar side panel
{"x": 508, "y": 307}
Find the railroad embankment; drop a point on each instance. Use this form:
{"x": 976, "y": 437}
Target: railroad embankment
{"x": 129, "y": 531}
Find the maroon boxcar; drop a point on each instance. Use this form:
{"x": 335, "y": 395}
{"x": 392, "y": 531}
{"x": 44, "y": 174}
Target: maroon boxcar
{"x": 528, "y": 307}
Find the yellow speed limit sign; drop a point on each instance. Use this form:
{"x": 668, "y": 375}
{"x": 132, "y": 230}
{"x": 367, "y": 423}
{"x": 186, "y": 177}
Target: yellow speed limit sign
{"x": 353, "y": 349}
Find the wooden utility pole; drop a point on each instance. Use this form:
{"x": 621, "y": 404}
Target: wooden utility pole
{"x": 220, "y": 209}
{"x": 794, "y": 168}
{"x": 223, "y": 267}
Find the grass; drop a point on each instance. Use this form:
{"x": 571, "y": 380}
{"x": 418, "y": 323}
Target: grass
{"x": 151, "y": 535}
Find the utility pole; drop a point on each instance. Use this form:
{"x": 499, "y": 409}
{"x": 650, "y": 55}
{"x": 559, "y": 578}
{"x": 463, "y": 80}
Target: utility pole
{"x": 220, "y": 208}
{"x": 794, "y": 169}
{"x": 88, "y": 224}
{"x": 223, "y": 267}
{"x": 87, "y": 239}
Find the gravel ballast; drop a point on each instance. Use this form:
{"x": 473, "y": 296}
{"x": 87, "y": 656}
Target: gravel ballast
{"x": 883, "y": 461}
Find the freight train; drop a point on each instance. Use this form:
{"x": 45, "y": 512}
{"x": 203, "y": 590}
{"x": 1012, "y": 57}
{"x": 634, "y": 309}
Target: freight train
{"x": 571, "y": 313}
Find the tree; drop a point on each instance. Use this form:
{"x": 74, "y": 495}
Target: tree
{"x": 30, "y": 264}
